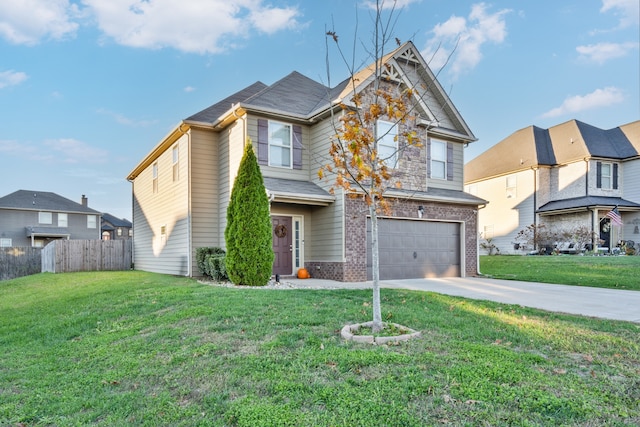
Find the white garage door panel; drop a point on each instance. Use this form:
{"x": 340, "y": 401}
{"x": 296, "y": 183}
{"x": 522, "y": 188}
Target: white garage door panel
{"x": 416, "y": 249}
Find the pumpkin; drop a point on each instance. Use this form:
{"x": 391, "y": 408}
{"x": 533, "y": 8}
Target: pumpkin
{"x": 303, "y": 273}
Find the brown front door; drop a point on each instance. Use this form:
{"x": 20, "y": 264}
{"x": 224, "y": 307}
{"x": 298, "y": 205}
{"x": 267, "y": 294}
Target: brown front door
{"x": 282, "y": 241}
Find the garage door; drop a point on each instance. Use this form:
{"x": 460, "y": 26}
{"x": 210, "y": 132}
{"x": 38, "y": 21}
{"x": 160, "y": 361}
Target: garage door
{"x": 416, "y": 249}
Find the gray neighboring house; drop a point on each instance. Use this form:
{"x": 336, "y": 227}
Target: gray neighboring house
{"x": 570, "y": 175}
{"x": 114, "y": 228}
{"x": 35, "y": 218}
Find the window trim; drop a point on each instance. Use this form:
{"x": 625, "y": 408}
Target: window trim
{"x": 383, "y": 136}
{"x": 62, "y": 224}
{"x": 92, "y": 221}
{"x": 6, "y": 242}
{"x": 443, "y": 161}
{"x": 282, "y": 146}
{"x": 42, "y": 217}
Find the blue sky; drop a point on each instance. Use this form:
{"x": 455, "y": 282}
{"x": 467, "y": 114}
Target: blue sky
{"x": 88, "y": 87}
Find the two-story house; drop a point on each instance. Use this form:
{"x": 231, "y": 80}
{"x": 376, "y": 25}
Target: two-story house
{"x": 567, "y": 176}
{"x": 181, "y": 189}
{"x": 114, "y": 228}
{"x": 34, "y": 218}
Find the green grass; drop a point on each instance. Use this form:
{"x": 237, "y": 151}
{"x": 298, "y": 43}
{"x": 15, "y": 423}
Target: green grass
{"x": 616, "y": 272}
{"x": 134, "y": 348}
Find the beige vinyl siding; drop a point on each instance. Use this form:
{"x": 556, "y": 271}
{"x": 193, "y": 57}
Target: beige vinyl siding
{"x": 325, "y": 240}
{"x": 505, "y": 216}
{"x": 204, "y": 183}
{"x": 169, "y": 208}
{"x": 230, "y": 151}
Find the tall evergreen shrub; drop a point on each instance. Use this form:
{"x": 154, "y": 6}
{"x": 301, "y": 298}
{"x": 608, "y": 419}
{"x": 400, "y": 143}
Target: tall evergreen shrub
{"x": 248, "y": 238}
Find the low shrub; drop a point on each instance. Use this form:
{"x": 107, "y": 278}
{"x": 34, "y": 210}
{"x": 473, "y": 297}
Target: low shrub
{"x": 211, "y": 263}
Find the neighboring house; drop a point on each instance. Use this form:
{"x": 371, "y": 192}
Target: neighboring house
{"x": 181, "y": 189}
{"x": 567, "y": 176}
{"x": 115, "y": 228}
{"x": 34, "y": 218}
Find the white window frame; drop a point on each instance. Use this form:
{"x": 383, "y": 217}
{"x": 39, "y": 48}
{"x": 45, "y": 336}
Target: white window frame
{"x": 45, "y": 218}
{"x": 606, "y": 180}
{"x": 440, "y": 160}
{"x": 92, "y": 221}
{"x": 387, "y": 138}
{"x": 176, "y": 163}
{"x": 280, "y": 144}
{"x": 5, "y": 242}
{"x": 511, "y": 187}
{"x": 63, "y": 220}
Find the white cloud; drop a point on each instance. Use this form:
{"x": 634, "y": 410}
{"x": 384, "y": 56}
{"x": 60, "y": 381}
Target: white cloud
{"x": 11, "y": 78}
{"x": 189, "y": 89}
{"x": 29, "y": 21}
{"x": 628, "y": 11}
{"x": 124, "y": 120}
{"x": 198, "y": 26}
{"x": 460, "y": 40}
{"x": 602, "y": 52}
{"x": 74, "y": 151}
{"x": 596, "y": 99}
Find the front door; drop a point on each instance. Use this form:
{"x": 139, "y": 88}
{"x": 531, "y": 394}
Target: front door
{"x": 282, "y": 245}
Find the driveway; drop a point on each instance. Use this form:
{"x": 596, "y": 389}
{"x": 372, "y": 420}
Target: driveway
{"x": 593, "y": 302}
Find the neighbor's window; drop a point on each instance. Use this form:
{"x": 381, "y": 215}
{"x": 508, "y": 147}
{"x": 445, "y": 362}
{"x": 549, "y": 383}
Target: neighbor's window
{"x": 176, "y": 158}
{"x": 511, "y": 186}
{"x": 387, "y": 135}
{"x": 155, "y": 177}
{"x": 130, "y": 232}
{"x": 92, "y": 221}
{"x": 45, "y": 218}
{"x": 438, "y": 159}
{"x": 280, "y": 153}
{"x": 606, "y": 175}
{"x": 163, "y": 234}
{"x": 63, "y": 220}
{"x": 5, "y": 242}
{"x": 119, "y": 231}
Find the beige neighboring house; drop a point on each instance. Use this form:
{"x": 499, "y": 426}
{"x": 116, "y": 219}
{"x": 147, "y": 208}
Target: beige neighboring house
{"x": 569, "y": 175}
{"x": 181, "y": 189}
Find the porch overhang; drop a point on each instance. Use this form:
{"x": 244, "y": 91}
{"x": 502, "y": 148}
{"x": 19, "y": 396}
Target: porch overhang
{"x": 437, "y": 195}
{"x": 54, "y": 232}
{"x": 297, "y": 192}
{"x": 587, "y": 203}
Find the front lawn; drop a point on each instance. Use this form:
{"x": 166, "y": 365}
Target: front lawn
{"x": 616, "y": 272}
{"x": 135, "y": 348}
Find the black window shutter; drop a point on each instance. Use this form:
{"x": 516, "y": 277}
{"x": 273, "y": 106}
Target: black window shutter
{"x": 297, "y": 147}
{"x": 615, "y": 176}
{"x": 598, "y": 174}
{"x": 263, "y": 141}
{"x": 449, "y": 161}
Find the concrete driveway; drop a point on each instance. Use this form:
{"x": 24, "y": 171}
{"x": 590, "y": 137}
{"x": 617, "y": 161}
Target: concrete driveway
{"x": 593, "y": 302}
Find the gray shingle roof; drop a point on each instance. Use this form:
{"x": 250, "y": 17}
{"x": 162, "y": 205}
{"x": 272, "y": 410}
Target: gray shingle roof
{"x": 42, "y": 200}
{"x": 612, "y": 143}
{"x": 294, "y": 187}
{"x": 116, "y": 222}
{"x": 587, "y": 202}
{"x": 212, "y": 113}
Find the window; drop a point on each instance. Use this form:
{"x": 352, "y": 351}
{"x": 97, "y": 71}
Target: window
{"x": 63, "y": 220}
{"x": 605, "y": 176}
{"x": 511, "y": 187}
{"x": 106, "y": 235}
{"x": 155, "y": 177}
{"x": 119, "y": 231}
{"x": 438, "y": 159}
{"x": 92, "y": 221}
{"x": 279, "y": 145}
{"x": 387, "y": 135}
{"x": 176, "y": 158}
{"x": 130, "y": 232}
{"x": 5, "y": 242}
{"x": 45, "y": 218}
{"x": 163, "y": 234}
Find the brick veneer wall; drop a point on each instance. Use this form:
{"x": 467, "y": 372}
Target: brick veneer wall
{"x": 356, "y": 212}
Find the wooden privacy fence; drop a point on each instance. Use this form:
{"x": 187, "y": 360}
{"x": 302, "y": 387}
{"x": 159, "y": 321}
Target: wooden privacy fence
{"x": 18, "y": 262}
{"x": 66, "y": 256}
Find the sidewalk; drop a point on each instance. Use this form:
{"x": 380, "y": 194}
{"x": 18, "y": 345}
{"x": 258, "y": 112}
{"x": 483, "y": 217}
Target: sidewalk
{"x": 593, "y": 302}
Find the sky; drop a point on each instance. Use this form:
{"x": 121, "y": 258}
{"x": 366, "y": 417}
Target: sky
{"x": 89, "y": 87}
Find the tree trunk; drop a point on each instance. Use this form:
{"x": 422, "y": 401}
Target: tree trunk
{"x": 375, "y": 268}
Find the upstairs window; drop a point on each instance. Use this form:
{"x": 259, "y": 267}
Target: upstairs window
{"x": 387, "y": 136}
{"x": 512, "y": 185}
{"x": 5, "y": 242}
{"x": 438, "y": 159}
{"x": 63, "y": 220}
{"x": 92, "y": 221}
{"x": 279, "y": 145}
{"x": 155, "y": 177}
{"x": 607, "y": 175}
{"x": 176, "y": 163}
{"x": 45, "y": 217}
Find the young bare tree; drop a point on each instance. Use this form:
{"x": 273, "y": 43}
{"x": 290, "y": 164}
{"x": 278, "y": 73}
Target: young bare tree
{"x": 371, "y": 133}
